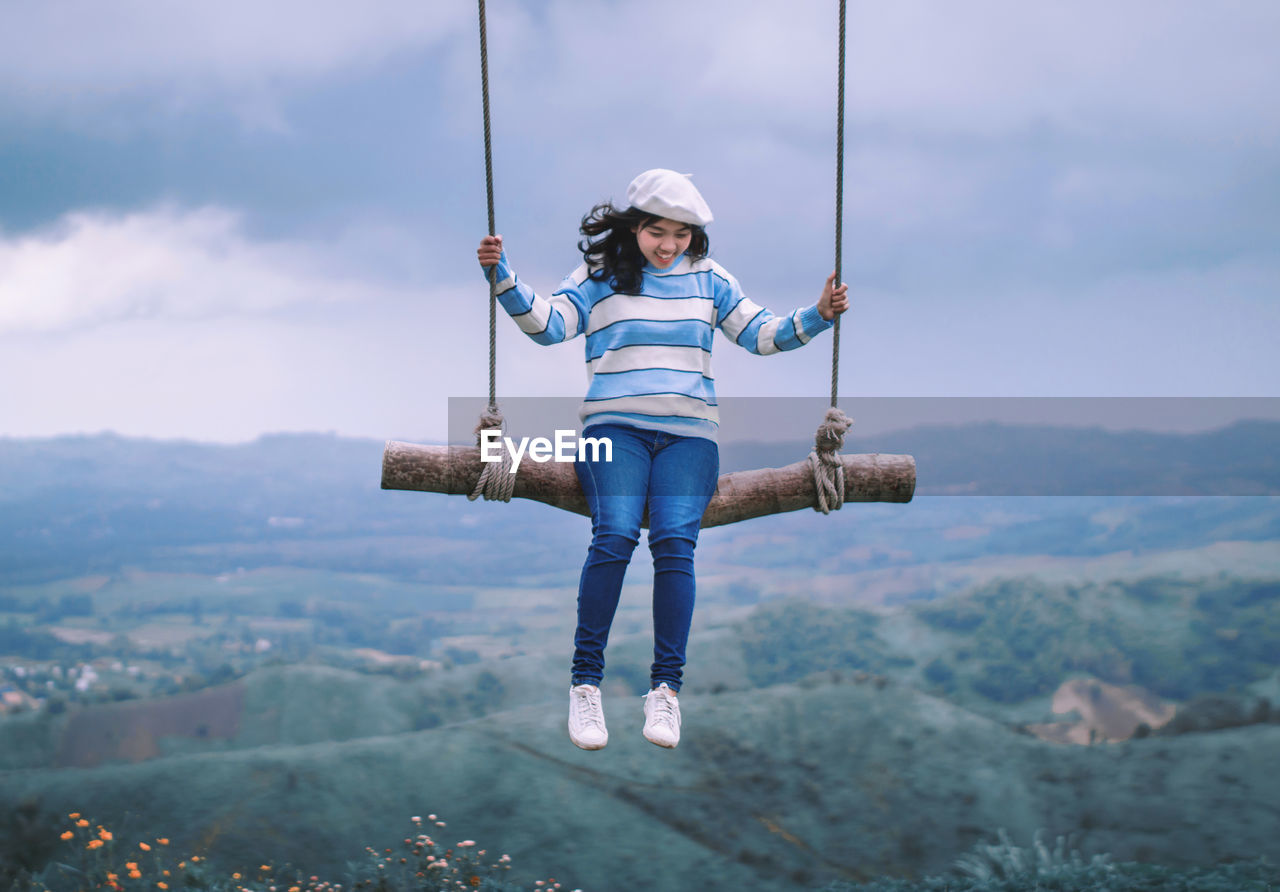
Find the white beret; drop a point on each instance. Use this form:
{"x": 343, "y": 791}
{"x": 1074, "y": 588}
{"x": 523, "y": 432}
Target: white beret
{"x": 669, "y": 194}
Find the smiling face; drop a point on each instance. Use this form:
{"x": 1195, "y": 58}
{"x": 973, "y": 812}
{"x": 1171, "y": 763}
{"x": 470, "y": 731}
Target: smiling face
{"x": 662, "y": 241}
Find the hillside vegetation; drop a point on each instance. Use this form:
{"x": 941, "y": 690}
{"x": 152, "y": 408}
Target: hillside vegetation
{"x": 1016, "y": 640}
{"x": 268, "y": 660}
{"x": 1002, "y": 650}
{"x": 789, "y": 784}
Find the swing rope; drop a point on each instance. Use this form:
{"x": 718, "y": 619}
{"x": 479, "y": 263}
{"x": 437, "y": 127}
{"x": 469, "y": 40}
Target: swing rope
{"x": 496, "y": 480}
{"x": 828, "y": 470}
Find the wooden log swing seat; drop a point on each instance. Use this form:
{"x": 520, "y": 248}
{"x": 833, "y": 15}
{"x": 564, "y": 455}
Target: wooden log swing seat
{"x": 740, "y": 495}
{"x": 824, "y": 481}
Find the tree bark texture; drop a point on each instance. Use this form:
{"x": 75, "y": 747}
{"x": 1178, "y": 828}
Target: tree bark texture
{"x": 741, "y": 495}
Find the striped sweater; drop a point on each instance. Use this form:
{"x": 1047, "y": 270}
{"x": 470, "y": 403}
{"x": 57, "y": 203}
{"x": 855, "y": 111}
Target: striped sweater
{"x": 649, "y": 354}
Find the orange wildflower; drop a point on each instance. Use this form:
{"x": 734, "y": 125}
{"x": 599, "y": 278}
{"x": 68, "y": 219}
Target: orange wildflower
{"x": 94, "y": 844}
{"x": 195, "y": 858}
{"x": 144, "y": 847}
{"x": 135, "y": 874}
{"x": 163, "y": 885}
{"x": 131, "y": 865}
{"x": 104, "y": 834}
{"x": 75, "y": 816}
{"x": 82, "y": 823}
{"x": 235, "y": 876}
{"x": 112, "y": 877}
{"x": 164, "y": 840}
{"x": 67, "y": 835}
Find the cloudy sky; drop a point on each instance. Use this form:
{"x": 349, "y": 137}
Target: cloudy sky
{"x": 219, "y": 219}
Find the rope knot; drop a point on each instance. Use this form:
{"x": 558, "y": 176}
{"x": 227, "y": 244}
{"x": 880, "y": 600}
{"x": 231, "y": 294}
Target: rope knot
{"x": 489, "y": 419}
{"x": 496, "y": 482}
{"x": 828, "y": 469}
{"x": 830, "y": 435}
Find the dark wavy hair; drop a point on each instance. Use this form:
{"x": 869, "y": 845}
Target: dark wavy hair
{"x": 616, "y": 257}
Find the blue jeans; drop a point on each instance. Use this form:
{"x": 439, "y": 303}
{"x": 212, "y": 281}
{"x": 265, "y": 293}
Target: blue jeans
{"x": 674, "y": 477}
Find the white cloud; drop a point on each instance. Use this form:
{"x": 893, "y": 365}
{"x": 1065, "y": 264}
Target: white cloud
{"x": 180, "y": 323}
{"x": 985, "y": 66}
{"x": 384, "y": 368}
{"x": 995, "y": 64}
{"x": 225, "y": 379}
{"x": 166, "y": 262}
{"x": 1173, "y": 332}
{"x": 379, "y": 371}
{"x": 48, "y": 50}
{"x": 1095, "y": 66}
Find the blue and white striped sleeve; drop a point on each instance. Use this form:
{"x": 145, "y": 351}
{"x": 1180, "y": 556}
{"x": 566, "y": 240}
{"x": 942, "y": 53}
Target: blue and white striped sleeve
{"x": 561, "y": 317}
{"x": 754, "y": 327}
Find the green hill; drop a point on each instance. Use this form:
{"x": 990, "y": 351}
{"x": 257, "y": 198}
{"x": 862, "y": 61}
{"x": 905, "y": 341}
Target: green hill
{"x": 821, "y": 743}
{"x": 312, "y": 703}
{"x": 1001, "y": 649}
{"x": 791, "y": 785}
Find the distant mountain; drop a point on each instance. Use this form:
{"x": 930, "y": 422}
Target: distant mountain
{"x": 77, "y": 505}
{"x": 993, "y": 459}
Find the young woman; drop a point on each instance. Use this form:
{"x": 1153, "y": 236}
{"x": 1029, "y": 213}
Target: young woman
{"x": 648, "y": 300}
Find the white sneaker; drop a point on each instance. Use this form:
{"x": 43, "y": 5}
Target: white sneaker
{"x": 662, "y": 716}
{"x": 586, "y": 717}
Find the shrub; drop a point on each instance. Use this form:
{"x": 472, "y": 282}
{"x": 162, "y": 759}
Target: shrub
{"x": 785, "y": 642}
{"x": 1004, "y": 867}
{"x": 92, "y": 857}
{"x": 939, "y": 673}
